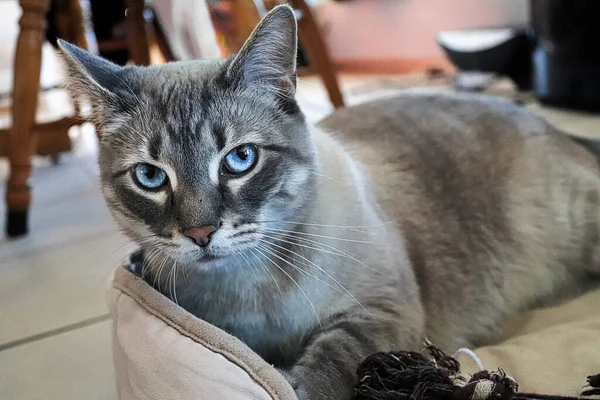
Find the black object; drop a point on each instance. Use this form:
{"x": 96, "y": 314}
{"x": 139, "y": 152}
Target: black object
{"x": 51, "y": 29}
{"x": 16, "y": 223}
{"x": 406, "y": 375}
{"x": 109, "y": 20}
{"x": 301, "y": 58}
{"x": 511, "y": 57}
{"x": 566, "y": 58}
{"x": 136, "y": 263}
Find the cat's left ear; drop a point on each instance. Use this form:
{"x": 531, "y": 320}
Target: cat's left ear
{"x": 268, "y": 58}
{"x": 107, "y": 86}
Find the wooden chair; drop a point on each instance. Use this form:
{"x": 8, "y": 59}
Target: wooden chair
{"x": 140, "y": 35}
{"x": 139, "y": 46}
{"x": 26, "y": 137}
{"x": 247, "y": 14}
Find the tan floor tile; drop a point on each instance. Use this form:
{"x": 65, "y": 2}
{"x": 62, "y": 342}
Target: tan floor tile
{"x": 80, "y": 215}
{"x": 583, "y": 124}
{"x": 75, "y": 365}
{"x": 41, "y": 291}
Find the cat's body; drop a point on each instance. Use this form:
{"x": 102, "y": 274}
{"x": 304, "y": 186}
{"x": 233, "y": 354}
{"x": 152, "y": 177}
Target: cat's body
{"x": 438, "y": 216}
{"x": 499, "y": 210}
{"x": 343, "y": 254}
{"x": 486, "y": 203}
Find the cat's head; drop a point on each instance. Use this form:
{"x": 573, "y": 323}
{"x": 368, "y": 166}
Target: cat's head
{"x": 196, "y": 156}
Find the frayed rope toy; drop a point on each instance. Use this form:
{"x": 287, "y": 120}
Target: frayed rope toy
{"x": 407, "y": 375}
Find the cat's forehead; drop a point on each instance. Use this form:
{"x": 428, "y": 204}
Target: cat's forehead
{"x": 194, "y": 92}
{"x": 185, "y": 109}
{"x": 181, "y": 85}
{"x": 183, "y": 72}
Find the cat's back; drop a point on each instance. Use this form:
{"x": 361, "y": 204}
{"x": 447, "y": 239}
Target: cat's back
{"x": 436, "y": 158}
{"x": 431, "y": 123}
{"x": 449, "y": 149}
{"x": 477, "y": 188}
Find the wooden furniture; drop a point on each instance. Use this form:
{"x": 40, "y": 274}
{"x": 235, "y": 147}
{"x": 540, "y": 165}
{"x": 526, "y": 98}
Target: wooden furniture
{"x": 247, "y": 14}
{"x": 140, "y": 35}
{"x": 26, "y": 137}
{"x": 312, "y": 41}
{"x": 139, "y": 45}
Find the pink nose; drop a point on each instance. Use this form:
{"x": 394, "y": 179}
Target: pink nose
{"x": 200, "y": 235}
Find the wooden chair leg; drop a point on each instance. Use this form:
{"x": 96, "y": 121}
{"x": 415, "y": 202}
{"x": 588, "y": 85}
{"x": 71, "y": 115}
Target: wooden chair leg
{"x": 28, "y": 60}
{"x": 72, "y": 26}
{"x": 312, "y": 42}
{"x": 70, "y": 23}
{"x": 138, "y": 36}
{"x": 246, "y": 17}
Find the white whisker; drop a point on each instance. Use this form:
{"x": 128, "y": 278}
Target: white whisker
{"x": 248, "y": 265}
{"x": 326, "y": 177}
{"x": 174, "y": 282}
{"x": 268, "y": 270}
{"x": 337, "y": 252}
{"x": 157, "y": 277}
{"x": 148, "y": 261}
{"x": 326, "y": 225}
{"x": 169, "y": 286}
{"x": 145, "y": 239}
{"x": 316, "y": 235}
{"x": 296, "y": 283}
{"x": 320, "y": 269}
{"x": 302, "y": 271}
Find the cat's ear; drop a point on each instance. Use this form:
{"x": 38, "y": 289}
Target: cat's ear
{"x": 104, "y": 84}
{"x": 268, "y": 58}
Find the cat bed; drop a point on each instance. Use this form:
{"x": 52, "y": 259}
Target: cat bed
{"x": 162, "y": 352}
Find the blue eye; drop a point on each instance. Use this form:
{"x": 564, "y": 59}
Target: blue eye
{"x": 149, "y": 176}
{"x": 240, "y": 159}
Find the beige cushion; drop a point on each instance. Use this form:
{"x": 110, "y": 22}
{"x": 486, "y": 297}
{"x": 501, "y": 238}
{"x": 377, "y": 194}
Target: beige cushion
{"x": 550, "y": 350}
{"x": 163, "y": 352}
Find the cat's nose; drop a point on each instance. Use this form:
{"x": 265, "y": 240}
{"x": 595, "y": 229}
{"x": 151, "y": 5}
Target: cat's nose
{"x": 200, "y": 235}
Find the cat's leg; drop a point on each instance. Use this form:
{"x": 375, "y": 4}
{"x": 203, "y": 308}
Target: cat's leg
{"x": 327, "y": 368}
{"x": 582, "y": 200}
{"x": 594, "y": 266}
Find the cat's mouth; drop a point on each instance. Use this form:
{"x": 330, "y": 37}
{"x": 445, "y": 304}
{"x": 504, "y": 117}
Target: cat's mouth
{"x": 224, "y": 246}
{"x": 207, "y": 257}
{"x": 218, "y": 253}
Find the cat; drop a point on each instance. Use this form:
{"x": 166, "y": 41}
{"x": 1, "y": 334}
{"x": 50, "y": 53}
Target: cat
{"x": 423, "y": 215}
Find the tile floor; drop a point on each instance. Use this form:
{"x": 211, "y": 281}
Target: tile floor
{"x": 54, "y": 327}
{"x": 54, "y": 335}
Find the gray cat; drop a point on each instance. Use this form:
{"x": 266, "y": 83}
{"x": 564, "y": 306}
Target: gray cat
{"x": 439, "y": 216}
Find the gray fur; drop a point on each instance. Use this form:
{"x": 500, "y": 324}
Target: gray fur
{"x": 439, "y": 216}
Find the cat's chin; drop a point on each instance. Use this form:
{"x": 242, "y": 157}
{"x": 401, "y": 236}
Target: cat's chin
{"x": 208, "y": 258}
{"x": 214, "y": 256}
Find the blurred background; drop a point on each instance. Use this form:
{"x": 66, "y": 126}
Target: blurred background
{"x": 59, "y": 245}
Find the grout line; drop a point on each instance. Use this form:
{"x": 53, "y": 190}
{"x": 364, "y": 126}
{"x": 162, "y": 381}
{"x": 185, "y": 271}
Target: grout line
{"x": 54, "y": 332}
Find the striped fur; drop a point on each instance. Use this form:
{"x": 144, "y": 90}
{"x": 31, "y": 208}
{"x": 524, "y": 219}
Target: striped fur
{"x": 438, "y": 216}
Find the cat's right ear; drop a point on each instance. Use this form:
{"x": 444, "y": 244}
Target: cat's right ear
{"x": 268, "y": 58}
{"x": 101, "y": 82}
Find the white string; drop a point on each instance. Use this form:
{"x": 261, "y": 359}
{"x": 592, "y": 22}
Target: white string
{"x": 471, "y": 354}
